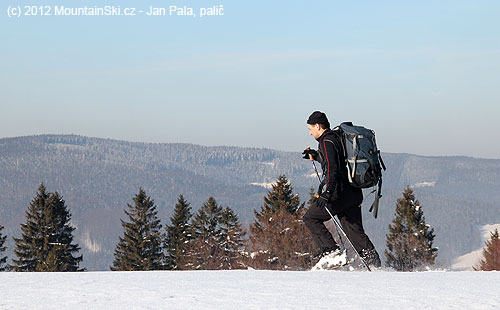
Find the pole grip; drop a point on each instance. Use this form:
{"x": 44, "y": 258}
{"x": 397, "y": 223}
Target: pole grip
{"x": 310, "y": 156}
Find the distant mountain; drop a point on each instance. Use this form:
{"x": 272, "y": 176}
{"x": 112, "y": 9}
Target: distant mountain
{"x": 98, "y": 177}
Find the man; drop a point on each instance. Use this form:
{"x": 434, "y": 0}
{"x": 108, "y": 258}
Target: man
{"x": 337, "y": 194}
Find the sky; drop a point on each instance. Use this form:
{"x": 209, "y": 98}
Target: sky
{"x": 424, "y": 75}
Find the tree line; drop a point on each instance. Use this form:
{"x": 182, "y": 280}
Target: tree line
{"x": 213, "y": 237}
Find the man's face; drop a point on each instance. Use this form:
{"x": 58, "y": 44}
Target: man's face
{"x": 314, "y": 130}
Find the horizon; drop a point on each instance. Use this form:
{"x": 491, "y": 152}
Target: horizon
{"x": 226, "y": 145}
{"x": 423, "y": 75}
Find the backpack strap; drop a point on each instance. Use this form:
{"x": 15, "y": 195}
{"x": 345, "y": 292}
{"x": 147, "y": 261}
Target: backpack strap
{"x": 380, "y": 159}
{"x": 338, "y": 142}
{"x": 374, "y": 207}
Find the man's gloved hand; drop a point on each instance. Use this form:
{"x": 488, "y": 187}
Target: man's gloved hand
{"x": 311, "y": 152}
{"x": 323, "y": 199}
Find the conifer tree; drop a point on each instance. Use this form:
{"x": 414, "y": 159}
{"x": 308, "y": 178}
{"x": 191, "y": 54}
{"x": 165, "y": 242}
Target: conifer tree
{"x": 178, "y": 234}
{"x": 217, "y": 235}
{"x": 46, "y": 241}
{"x": 140, "y": 248}
{"x": 312, "y": 197}
{"x": 410, "y": 240}
{"x": 281, "y": 197}
{"x": 279, "y": 238}
{"x": 3, "y": 259}
{"x": 491, "y": 254}
{"x": 232, "y": 242}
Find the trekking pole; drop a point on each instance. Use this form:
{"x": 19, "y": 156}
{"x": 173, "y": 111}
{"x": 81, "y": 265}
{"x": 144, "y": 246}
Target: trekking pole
{"x": 337, "y": 224}
{"x": 314, "y": 165}
{"x": 339, "y": 227}
{"x": 317, "y": 196}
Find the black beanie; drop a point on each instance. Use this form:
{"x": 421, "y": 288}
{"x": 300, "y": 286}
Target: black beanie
{"x": 318, "y": 117}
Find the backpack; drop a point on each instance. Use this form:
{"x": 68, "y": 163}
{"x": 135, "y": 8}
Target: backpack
{"x": 362, "y": 158}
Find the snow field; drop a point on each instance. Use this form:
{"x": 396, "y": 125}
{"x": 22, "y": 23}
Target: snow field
{"x": 250, "y": 289}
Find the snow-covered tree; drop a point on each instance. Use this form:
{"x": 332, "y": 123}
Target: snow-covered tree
{"x": 140, "y": 248}
{"x": 3, "y": 259}
{"x": 178, "y": 234}
{"x": 279, "y": 238}
{"x": 232, "y": 242}
{"x": 491, "y": 254}
{"x": 410, "y": 239}
{"x": 46, "y": 241}
{"x": 216, "y": 237}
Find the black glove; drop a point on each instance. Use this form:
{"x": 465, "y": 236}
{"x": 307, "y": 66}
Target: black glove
{"x": 323, "y": 199}
{"x": 311, "y": 152}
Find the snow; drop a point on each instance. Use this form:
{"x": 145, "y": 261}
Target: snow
{"x": 268, "y": 163}
{"x": 250, "y": 289}
{"x": 487, "y": 230}
{"x": 425, "y": 184}
{"x": 312, "y": 175}
{"x": 469, "y": 260}
{"x": 91, "y": 245}
{"x": 265, "y": 185}
{"x": 337, "y": 258}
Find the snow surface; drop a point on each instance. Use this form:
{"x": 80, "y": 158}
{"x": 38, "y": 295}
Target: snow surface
{"x": 425, "y": 184}
{"x": 250, "y": 289}
{"x": 469, "y": 260}
{"x": 265, "y": 185}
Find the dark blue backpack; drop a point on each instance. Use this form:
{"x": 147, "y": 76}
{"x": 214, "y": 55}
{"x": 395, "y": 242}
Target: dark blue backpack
{"x": 363, "y": 161}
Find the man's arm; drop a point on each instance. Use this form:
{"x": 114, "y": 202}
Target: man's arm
{"x": 333, "y": 171}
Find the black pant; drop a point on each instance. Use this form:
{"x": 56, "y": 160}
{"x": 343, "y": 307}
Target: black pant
{"x": 350, "y": 219}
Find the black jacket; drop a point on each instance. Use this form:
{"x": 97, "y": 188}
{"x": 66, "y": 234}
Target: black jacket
{"x": 335, "y": 184}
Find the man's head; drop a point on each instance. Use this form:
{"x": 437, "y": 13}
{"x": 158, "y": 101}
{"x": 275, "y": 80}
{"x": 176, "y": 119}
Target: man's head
{"x": 317, "y": 123}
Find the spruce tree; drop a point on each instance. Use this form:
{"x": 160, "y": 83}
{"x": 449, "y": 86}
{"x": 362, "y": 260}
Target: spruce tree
{"x": 410, "y": 240}
{"x": 491, "y": 254}
{"x": 178, "y": 234}
{"x": 312, "y": 197}
{"x": 140, "y": 248}
{"x": 281, "y": 197}
{"x": 216, "y": 238}
{"x": 46, "y": 241}
{"x": 3, "y": 259}
{"x": 279, "y": 238}
{"x": 231, "y": 239}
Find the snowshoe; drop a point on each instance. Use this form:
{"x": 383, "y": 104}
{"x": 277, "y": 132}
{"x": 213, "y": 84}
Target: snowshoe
{"x": 371, "y": 258}
{"x": 331, "y": 260}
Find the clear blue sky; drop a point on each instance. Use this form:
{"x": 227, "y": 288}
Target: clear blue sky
{"x": 424, "y": 74}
